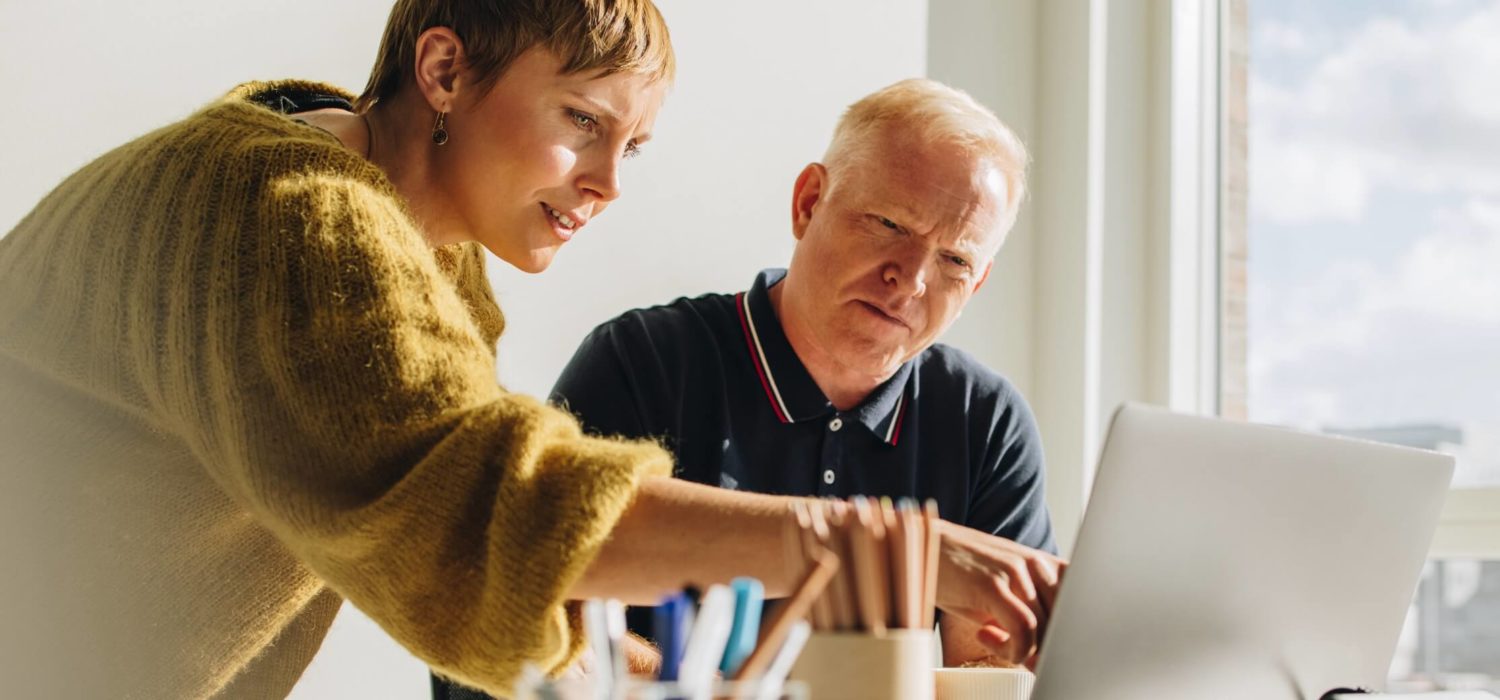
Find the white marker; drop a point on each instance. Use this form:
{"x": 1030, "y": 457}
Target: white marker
{"x": 705, "y": 646}
{"x": 770, "y": 684}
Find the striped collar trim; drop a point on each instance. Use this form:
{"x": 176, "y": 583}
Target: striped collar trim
{"x": 790, "y": 390}
{"x": 893, "y": 433}
{"x": 884, "y": 411}
{"x": 758, "y": 357}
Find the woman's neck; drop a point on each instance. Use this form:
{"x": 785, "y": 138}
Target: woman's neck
{"x": 349, "y": 128}
{"x": 406, "y": 163}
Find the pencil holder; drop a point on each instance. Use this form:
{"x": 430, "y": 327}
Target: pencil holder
{"x": 896, "y": 665}
{"x": 984, "y": 683}
{"x": 638, "y": 689}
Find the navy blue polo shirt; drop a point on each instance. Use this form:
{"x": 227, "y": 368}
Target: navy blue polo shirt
{"x": 716, "y": 381}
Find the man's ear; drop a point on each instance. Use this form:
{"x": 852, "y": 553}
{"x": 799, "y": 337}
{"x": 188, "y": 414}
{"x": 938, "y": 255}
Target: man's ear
{"x": 984, "y": 275}
{"x": 805, "y": 196}
{"x": 439, "y": 63}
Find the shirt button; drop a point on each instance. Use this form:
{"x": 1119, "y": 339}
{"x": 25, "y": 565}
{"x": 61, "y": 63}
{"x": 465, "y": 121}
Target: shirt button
{"x": 834, "y": 425}
{"x": 828, "y": 476}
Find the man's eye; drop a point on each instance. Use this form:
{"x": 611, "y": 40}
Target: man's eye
{"x": 958, "y": 261}
{"x": 889, "y": 224}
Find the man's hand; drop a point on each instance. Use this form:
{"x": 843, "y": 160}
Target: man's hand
{"x": 1005, "y": 588}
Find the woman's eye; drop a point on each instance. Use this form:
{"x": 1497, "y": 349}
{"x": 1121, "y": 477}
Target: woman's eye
{"x": 958, "y": 261}
{"x": 581, "y": 120}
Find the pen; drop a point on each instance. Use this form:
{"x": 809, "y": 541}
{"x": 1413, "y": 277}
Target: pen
{"x": 749, "y": 596}
{"x": 934, "y": 551}
{"x": 870, "y": 574}
{"x": 822, "y": 614}
{"x": 882, "y": 561}
{"x": 775, "y": 677}
{"x": 825, "y": 565}
{"x": 706, "y": 642}
{"x": 614, "y": 618}
{"x": 828, "y": 526}
{"x": 672, "y": 620}
{"x": 791, "y": 541}
{"x": 895, "y": 532}
{"x": 916, "y": 543}
{"x": 596, "y": 626}
{"x": 529, "y": 685}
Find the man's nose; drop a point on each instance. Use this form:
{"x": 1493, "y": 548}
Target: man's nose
{"x": 907, "y": 273}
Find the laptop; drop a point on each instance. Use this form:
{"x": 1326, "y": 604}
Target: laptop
{"x": 1227, "y": 560}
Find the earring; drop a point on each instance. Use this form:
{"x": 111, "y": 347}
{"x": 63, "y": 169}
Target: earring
{"x": 440, "y": 134}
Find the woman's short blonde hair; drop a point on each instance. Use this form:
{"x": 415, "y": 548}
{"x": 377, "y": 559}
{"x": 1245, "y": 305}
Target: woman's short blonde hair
{"x": 609, "y": 36}
{"x": 935, "y": 114}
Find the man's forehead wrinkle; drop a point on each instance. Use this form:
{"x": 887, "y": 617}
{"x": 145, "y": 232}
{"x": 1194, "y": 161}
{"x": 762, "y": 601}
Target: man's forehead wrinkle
{"x": 953, "y": 207}
{"x": 927, "y": 187}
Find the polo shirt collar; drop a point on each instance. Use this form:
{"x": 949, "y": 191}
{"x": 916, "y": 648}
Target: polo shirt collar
{"x": 883, "y": 410}
{"x": 789, "y": 388}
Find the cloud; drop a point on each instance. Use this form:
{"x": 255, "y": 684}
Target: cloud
{"x": 1405, "y": 105}
{"x": 1280, "y": 37}
{"x": 1453, "y": 275}
{"x": 1416, "y": 339}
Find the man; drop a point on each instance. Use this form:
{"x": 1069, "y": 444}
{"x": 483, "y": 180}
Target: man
{"x": 825, "y": 379}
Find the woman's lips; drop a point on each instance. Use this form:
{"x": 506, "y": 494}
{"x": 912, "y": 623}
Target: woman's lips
{"x": 562, "y": 224}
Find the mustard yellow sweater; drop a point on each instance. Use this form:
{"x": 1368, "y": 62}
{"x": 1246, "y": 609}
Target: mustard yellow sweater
{"x": 237, "y": 386}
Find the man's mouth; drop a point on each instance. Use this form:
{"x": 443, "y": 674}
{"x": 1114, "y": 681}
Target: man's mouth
{"x": 884, "y": 315}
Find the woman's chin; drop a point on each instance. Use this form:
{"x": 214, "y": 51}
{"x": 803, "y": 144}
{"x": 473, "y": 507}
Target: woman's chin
{"x": 531, "y": 261}
{"x": 526, "y": 256}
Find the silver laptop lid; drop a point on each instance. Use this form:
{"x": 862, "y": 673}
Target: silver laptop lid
{"x": 1227, "y": 560}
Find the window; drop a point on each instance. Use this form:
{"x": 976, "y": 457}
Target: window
{"x": 1451, "y": 635}
{"x": 1361, "y": 248}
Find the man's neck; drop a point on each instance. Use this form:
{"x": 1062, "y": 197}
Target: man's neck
{"x": 843, "y": 387}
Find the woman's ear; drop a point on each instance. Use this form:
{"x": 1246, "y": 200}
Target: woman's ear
{"x": 439, "y": 65}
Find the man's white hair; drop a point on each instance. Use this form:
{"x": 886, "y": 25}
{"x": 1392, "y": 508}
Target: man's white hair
{"x": 935, "y": 114}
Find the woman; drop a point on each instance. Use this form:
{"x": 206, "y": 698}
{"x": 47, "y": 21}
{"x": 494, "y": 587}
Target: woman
{"x": 249, "y": 366}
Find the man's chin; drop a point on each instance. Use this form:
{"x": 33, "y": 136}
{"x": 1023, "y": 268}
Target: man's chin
{"x": 872, "y": 361}
{"x": 877, "y": 341}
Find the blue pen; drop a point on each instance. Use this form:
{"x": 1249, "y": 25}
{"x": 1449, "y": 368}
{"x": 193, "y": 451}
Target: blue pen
{"x": 672, "y": 620}
{"x": 749, "y": 596}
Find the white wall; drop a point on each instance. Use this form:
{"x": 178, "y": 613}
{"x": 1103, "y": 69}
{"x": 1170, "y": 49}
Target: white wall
{"x": 988, "y": 48}
{"x": 1107, "y": 283}
{"x": 1035, "y": 63}
{"x": 759, "y": 88}
{"x": 83, "y": 76}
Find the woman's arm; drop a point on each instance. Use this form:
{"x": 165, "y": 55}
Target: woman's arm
{"x": 676, "y": 533}
{"x": 309, "y": 350}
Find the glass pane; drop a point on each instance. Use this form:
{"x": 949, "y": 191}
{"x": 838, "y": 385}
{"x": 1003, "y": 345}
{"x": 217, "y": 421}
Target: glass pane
{"x": 1451, "y": 640}
{"x": 1374, "y": 223}
{"x": 1362, "y": 258}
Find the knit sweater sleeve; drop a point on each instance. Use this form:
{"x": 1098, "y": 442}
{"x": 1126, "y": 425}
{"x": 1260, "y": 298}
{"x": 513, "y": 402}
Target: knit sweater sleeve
{"x": 338, "y": 388}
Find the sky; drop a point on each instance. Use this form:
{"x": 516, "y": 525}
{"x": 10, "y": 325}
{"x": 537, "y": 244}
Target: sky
{"x": 1375, "y": 218}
